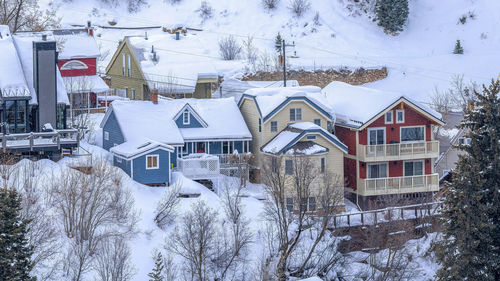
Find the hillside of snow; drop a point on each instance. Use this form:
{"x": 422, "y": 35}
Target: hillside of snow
{"x": 419, "y": 59}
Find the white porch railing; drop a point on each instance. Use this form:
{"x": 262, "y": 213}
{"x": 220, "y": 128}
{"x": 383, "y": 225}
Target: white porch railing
{"x": 398, "y": 151}
{"x": 39, "y": 140}
{"x": 396, "y": 185}
{"x": 199, "y": 166}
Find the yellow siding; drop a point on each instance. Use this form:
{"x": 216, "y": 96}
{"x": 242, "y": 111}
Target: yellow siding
{"x": 251, "y": 115}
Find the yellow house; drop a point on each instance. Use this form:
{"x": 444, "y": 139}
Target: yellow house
{"x": 293, "y": 122}
{"x": 163, "y": 62}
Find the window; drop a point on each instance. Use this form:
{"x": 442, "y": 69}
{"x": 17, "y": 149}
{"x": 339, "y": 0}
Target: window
{"x": 288, "y": 167}
{"x": 308, "y": 204}
{"x": 317, "y": 122}
{"x": 295, "y": 114}
{"x": 227, "y": 147}
{"x": 152, "y": 162}
{"x": 106, "y": 135}
{"x": 413, "y": 168}
{"x": 464, "y": 141}
{"x": 413, "y": 133}
{"x": 376, "y": 171}
{"x": 274, "y": 126}
{"x": 400, "y": 116}
{"x": 128, "y": 69}
{"x": 311, "y": 137}
{"x": 74, "y": 64}
{"x": 274, "y": 165}
{"x": 16, "y": 116}
{"x": 123, "y": 64}
{"x": 388, "y": 117}
{"x": 126, "y": 93}
{"x": 376, "y": 136}
{"x": 133, "y": 94}
{"x": 118, "y": 159}
{"x": 186, "y": 117}
{"x": 323, "y": 165}
{"x": 289, "y": 204}
{"x": 185, "y": 149}
{"x": 260, "y": 125}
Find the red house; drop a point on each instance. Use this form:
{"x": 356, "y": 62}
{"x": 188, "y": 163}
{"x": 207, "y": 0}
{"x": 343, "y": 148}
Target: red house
{"x": 391, "y": 145}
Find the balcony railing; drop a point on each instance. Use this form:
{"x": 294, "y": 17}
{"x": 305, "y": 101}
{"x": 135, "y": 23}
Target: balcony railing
{"x": 199, "y": 166}
{"x": 398, "y": 151}
{"x": 396, "y": 185}
{"x": 40, "y": 140}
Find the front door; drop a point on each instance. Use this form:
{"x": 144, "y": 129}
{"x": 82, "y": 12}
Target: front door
{"x": 200, "y": 147}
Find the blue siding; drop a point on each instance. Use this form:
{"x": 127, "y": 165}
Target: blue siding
{"x": 193, "y": 123}
{"x": 173, "y": 158}
{"x": 238, "y": 145}
{"x": 115, "y": 134}
{"x": 154, "y": 176}
{"x": 124, "y": 165}
{"x": 215, "y": 147}
{"x": 190, "y": 147}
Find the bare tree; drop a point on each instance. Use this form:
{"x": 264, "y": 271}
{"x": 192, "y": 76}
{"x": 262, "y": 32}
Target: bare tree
{"x": 112, "y": 261}
{"x": 206, "y": 11}
{"x": 299, "y": 7}
{"x": 229, "y": 48}
{"x": 270, "y": 4}
{"x": 165, "y": 210}
{"x": 26, "y": 15}
{"x": 251, "y": 52}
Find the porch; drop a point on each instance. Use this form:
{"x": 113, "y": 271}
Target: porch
{"x": 398, "y": 151}
{"x": 40, "y": 141}
{"x": 398, "y": 185}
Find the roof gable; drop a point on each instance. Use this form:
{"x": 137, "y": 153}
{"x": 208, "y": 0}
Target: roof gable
{"x": 195, "y": 121}
{"x": 125, "y": 44}
{"x": 291, "y": 99}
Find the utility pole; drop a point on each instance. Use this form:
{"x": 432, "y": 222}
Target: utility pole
{"x": 283, "y": 45}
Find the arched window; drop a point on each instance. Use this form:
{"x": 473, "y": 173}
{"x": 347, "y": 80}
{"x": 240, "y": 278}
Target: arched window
{"x": 74, "y": 64}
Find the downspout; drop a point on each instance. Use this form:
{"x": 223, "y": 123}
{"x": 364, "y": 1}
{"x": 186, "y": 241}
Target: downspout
{"x": 357, "y": 170}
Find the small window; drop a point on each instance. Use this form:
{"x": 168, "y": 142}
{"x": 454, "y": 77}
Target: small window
{"x": 400, "y": 116}
{"x": 106, "y": 135}
{"x": 317, "y": 122}
{"x": 152, "y": 162}
{"x": 464, "y": 141}
{"x": 118, "y": 159}
{"x": 128, "y": 69}
{"x": 295, "y": 114}
{"x": 274, "y": 126}
{"x": 311, "y": 137}
{"x": 308, "y": 204}
{"x": 274, "y": 165}
{"x": 388, "y": 117}
{"x": 323, "y": 165}
{"x": 288, "y": 167}
{"x": 186, "y": 117}
{"x": 260, "y": 125}
{"x": 289, "y": 204}
{"x": 133, "y": 94}
{"x": 74, "y": 64}
{"x": 123, "y": 64}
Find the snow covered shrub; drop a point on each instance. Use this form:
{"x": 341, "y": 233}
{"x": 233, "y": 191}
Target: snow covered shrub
{"x": 229, "y": 48}
{"x": 459, "y": 50}
{"x": 270, "y": 4}
{"x": 133, "y": 6}
{"x": 316, "y": 19}
{"x": 165, "y": 211}
{"x": 392, "y": 14}
{"x": 299, "y": 7}
{"x": 206, "y": 11}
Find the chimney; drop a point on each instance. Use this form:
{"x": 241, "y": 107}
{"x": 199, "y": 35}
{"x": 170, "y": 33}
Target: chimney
{"x": 154, "y": 96}
{"x": 89, "y": 29}
{"x": 45, "y": 82}
{"x": 177, "y": 35}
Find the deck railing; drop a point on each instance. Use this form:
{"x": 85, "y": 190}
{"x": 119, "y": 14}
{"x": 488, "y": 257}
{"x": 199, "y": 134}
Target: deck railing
{"x": 39, "y": 140}
{"x": 397, "y": 185}
{"x": 398, "y": 151}
{"x": 199, "y": 166}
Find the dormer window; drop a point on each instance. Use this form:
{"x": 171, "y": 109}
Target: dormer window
{"x": 186, "y": 117}
{"x": 74, "y": 64}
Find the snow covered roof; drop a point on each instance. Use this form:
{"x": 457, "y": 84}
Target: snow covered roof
{"x": 288, "y": 140}
{"x": 169, "y": 63}
{"x": 144, "y": 119}
{"x": 76, "y": 43}
{"x": 12, "y": 80}
{"x": 135, "y": 148}
{"x": 357, "y": 105}
{"x": 233, "y": 87}
{"x": 85, "y": 84}
{"x": 24, "y": 46}
{"x": 270, "y": 100}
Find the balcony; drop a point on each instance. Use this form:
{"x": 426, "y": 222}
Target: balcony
{"x": 398, "y": 185}
{"x": 398, "y": 151}
{"x": 39, "y": 141}
{"x": 199, "y": 166}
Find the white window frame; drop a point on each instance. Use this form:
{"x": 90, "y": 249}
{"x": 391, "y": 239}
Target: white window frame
{"x": 375, "y": 129}
{"x": 129, "y": 71}
{"x": 296, "y": 114}
{"x": 423, "y": 167}
{"x": 184, "y": 122}
{"x": 389, "y": 113}
{"x": 157, "y": 156}
{"x": 406, "y": 127}
{"x": 464, "y": 141}
{"x": 379, "y": 163}
{"x": 74, "y": 64}
{"x": 397, "y": 119}
{"x": 319, "y": 121}
{"x": 106, "y": 135}
{"x": 275, "y": 127}
{"x": 123, "y": 64}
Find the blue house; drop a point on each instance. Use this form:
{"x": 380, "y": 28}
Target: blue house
{"x": 187, "y": 126}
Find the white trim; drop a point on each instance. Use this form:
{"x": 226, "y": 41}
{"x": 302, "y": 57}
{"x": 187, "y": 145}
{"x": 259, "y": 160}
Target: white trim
{"x": 378, "y": 163}
{"x": 186, "y": 111}
{"x": 120, "y": 159}
{"x": 392, "y": 117}
{"x": 397, "y": 111}
{"x": 271, "y": 126}
{"x": 303, "y": 101}
{"x": 294, "y": 114}
{"x": 129, "y": 70}
{"x": 106, "y": 135}
{"x": 423, "y": 167}
{"x": 193, "y": 112}
{"x": 81, "y": 65}
{"x": 162, "y": 147}
{"x": 123, "y": 64}
{"x": 157, "y": 156}
{"x": 419, "y": 126}
{"x": 375, "y": 129}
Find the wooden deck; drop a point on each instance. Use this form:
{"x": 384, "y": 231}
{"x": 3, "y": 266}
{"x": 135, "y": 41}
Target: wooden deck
{"x": 39, "y": 141}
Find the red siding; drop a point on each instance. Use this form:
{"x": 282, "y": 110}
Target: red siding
{"x": 91, "y": 70}
{"x": 396, "y": 168}
{"x": 348, "y": 137}
{"x": 350, "y": 172}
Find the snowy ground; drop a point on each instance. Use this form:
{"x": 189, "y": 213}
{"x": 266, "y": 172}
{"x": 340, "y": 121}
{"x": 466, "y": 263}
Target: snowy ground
{"x": 419, "y": 59}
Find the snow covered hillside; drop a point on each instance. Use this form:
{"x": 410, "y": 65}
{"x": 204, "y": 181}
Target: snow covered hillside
{"x": 419, "y": 59}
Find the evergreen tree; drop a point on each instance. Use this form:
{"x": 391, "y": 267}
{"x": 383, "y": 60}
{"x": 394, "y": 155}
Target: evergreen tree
{"x": 15, "y": 253}
{"x": 157, "y": 273}
{"x": 470, "y": 249}
{"x": 277, "y": 42}
{"x": 392, "y": 14}
{"x": 459, "y": 50}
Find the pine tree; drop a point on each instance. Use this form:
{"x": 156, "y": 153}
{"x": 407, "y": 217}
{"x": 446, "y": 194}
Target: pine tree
{"x": 15, "y": 253}
{"x": 470, "y": 249}
{"x": 277, "y": 42}
{"x": 157, "y": 273}
{"x": 392, "y": 14}
{"x": 459, "y": 50}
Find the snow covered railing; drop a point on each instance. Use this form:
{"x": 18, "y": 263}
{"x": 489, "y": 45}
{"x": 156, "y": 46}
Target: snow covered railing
{"x": 199, "y": 166}
{"x": 397, "y": 185}
{"x": 40, "y": 140}
{"x": 399, "y": 151}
